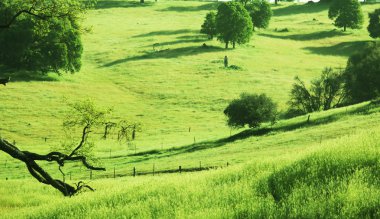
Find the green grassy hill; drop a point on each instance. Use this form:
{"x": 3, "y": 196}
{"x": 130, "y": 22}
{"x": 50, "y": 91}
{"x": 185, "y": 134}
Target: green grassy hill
{"x": 318, "y": 169}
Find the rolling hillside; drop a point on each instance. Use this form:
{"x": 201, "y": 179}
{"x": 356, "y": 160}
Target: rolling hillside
{"x": 148, "y": 63}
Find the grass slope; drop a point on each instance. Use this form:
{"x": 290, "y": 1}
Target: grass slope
{"x": 324, "y": 168}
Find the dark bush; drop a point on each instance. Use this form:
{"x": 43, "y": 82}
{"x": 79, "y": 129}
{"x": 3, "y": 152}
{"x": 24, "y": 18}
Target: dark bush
{"x": 362, "y": 74}
{"x": 251, "y": 110}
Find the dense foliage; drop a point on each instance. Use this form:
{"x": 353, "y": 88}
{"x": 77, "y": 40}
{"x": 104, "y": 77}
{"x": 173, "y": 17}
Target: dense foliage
{"x": 374, "y": 24}
{"x": 209, "y": 25}
{"x": 362, "y": 74}
{"x": 43, "y": 46}
{"x": 41, "y": 36}
{"x": 324, "y": 93}
{"x": 346, "y": 14}
{"x": 233, "y": 23}
{"x": 251, "y": 110}
{"x": 260, "y": 12}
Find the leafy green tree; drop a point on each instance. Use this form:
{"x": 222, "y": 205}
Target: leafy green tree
{"x": 260, "y": 12}
{"x": 251, "y": 110}
{"x": 374, "y": 24}
{"x": 324, "y": 93}
{"x": 362, "y": 74}
{"x": 209, "y": 25}
{"x": 41, "y": 36}
{"x": 12, "y": 10}
{"x": 243, "y": 2}
{"x": 55, "y": 46}
{"x": 233, "y": 24}
{"x": 346, "y": 13}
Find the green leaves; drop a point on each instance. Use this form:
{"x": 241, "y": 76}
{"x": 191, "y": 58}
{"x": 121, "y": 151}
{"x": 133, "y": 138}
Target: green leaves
{"x": 362, "y": 74}
{"x": 374, "y": 24}
{"x": 260, "y": 12}
{"x": 42, "y": 36}
{"x": 209, "y": 25}
{"x": 233, "y": 23}
{"x": 251, "y": 110}
{"x": 347, "y": 13}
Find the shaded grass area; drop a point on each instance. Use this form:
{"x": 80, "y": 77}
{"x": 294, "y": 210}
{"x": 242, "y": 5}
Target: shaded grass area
{"x": 25, "y": 76}
{"x": 165, "y": 33}
{"x": 107, "y": 4}
{"x": 167, "y": 54}
{"x": 308, "y": 36}
{"x": 297, "y": 9}
{"x": 340, "y": 49}
{"x": 204, "y": 7}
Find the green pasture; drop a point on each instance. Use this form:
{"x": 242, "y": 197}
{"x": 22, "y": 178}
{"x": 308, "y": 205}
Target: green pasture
{"x": 147, "y": 63}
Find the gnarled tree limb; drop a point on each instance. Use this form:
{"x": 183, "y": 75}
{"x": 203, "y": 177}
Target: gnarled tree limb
{"x": 30, "y": 158}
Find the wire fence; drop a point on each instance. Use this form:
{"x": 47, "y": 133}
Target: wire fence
{"x": 19, "y": 171}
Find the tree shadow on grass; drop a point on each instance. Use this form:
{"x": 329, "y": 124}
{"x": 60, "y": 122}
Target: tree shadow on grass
{"x": 340, "y": 49}
{"x": 22, "y": 75}
{"x": 167, "y": 53}
{"x": 204, "y": 7}
{"x": 182, "y": 39}
{"x": 105, "y": 4}
{"x": 309, "y": 36}
{"x": 300, "y": 9}
{"x": 166, "y": 33}
{"x": 365, "y": 109}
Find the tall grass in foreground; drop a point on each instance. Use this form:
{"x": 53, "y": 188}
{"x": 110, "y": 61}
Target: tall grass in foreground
{"x": 338, "y": 180}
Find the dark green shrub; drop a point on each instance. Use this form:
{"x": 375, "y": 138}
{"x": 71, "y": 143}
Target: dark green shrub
{"x": 251, "y": 110}
{"x": 362, "y": 74}
{"x": 374, "y": 24}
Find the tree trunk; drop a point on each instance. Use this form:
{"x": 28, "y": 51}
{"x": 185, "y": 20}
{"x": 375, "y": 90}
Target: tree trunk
{"x": 30, "y": 158}
{"x": 344, "y": 28}
{"x": 275, "y": 2}
{"x": 226, "y": 44}
{"x": 141, "y": 1}
{"x": 233, "y": 45}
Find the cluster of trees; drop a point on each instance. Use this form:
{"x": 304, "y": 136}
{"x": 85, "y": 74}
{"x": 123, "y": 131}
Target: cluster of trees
{"x": 42, "y": 35}
{"x": 235, "y": 22}
{"x": 359, "y": 81}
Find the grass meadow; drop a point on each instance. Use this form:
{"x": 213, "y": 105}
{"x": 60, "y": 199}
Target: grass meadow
{"x": 147, "y": 63}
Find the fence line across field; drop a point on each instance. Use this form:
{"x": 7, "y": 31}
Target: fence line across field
{"x": 113, "y": 172}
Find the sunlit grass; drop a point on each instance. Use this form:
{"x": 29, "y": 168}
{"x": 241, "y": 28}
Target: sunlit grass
{"x": 184, "y": 86}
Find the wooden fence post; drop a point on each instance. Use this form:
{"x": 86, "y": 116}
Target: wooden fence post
{"x": 227, "y": 164}
{"x": 114, "y": 172}
{"x": 90, "y": 174}
{"x": 134, "y": 171}
{"x": 180, "y": 169}
{"x": 6, "y": 163}
{"x": 153, "y": 169}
